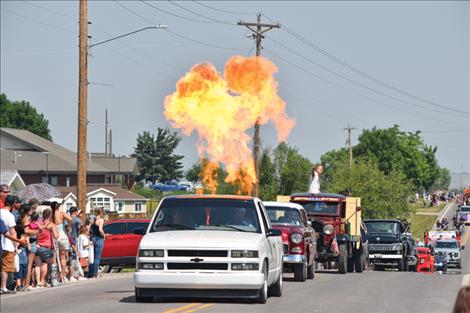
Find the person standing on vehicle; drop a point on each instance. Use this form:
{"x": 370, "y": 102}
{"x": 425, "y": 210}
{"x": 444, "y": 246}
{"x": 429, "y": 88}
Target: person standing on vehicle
{"x": 97, "y": 237}
{"x": 317, "y": 170}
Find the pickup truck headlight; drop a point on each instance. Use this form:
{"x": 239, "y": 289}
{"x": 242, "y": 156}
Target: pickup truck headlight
{"x": 151, "y": 253}
{"x": 328, "y": 229}
{"x": 245, "y": 266}
{"x": 245, "y": 253}
{"x": 397, "y": 246}
{"x": 296, "y": 238}
{"x": 150, "y": 266}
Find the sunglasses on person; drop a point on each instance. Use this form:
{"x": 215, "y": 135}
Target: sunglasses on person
{"x": 5, "y": 191}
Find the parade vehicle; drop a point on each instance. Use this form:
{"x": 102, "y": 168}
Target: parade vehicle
{"x": 121, "y": 244}
{"x": 451, "y": 250}
{"x": 298, "y": 238}
{"x": 440, "y": 262}
{"x": 425, "y": 260}
{"x": 341, "y": 235}
{"x": 388, "y": 244}
{"x": 434, "y": 235}
{"x": 209, "y": 246}
{"x": 463, "y": 214}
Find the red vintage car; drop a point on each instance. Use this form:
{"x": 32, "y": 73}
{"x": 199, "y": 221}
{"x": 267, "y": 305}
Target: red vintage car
{"x": 121, "y": 245}
{"x": 298, "y": 238}
{"x": 425, "y": 260}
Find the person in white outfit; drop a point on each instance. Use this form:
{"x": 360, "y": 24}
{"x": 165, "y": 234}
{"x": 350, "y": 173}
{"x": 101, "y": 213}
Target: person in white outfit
{"x": 317, "y": 170}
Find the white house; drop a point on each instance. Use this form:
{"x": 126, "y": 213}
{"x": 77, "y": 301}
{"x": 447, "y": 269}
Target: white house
{"x": 112, "y": 197}
{"x": 12, "y": 179}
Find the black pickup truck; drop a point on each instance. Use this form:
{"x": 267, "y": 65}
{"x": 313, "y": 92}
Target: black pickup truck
{"x": 389, "y": 244}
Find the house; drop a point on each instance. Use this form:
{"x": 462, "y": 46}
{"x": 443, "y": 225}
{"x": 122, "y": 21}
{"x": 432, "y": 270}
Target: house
{"x": 112, "y": 197}
{"x": 39, "y": 160}
{"x": 12, "y": 179}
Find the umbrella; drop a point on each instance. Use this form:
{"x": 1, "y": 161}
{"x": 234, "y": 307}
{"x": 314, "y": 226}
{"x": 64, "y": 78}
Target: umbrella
{"x": 41, "y": 192}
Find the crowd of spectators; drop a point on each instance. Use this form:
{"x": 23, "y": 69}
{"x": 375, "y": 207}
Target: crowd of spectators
{"x": 44, "y": 246}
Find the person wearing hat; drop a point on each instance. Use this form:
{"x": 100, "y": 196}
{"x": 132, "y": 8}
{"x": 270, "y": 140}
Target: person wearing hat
{"x": 317, "y": 170}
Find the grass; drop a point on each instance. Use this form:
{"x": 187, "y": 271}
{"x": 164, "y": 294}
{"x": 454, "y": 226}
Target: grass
{"x": 419, "y": 223}
{"x": 418, "y": 206}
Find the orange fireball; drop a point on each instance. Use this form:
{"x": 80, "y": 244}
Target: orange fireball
{"x": 221, "y": 109}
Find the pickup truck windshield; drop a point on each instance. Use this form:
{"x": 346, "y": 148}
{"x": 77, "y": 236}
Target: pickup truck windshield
{"x": 284, "y": 215}
{"x": 206, "y": 214}
{"x": 320, "y": 207}
{"x": 447, "y": 245}
{"x": 383, "y": 227}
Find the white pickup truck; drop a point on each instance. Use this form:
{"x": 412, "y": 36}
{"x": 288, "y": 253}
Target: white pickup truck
{"x": 209, "y": 246}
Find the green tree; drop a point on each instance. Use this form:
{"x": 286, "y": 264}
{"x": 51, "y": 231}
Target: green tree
{"x": 293, "y": 169}
{"x": 268, "y": 178}
{"x": 443, "y": 180}
{"x": 193, "y": 174}
{"x": 155, "y": 156}
{"x": 382, "y": 196}
{"x": 22, "y": 115}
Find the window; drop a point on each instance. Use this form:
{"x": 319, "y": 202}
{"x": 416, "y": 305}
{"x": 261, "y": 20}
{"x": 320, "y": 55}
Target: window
{"x": 134, "y": 225}
{"x": 115, "y": 228}
{"x": 138, "y": 207}
{"x": 53, "y": 180}
{"x": 68, "y": 206}
{"x": 102, "y": 202}
{"x": 44, "y": 180}
{"x": 120, "y": 206}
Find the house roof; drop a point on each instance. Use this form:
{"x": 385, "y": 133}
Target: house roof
{"x": 7, "y": 177}
{"x": 121, "y": 193}
{"x": 58, "y": 158}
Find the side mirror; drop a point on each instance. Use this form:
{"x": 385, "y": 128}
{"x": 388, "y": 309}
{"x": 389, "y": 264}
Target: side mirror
{"x": 139, "y": 231}
{"x": 273, "y": 233}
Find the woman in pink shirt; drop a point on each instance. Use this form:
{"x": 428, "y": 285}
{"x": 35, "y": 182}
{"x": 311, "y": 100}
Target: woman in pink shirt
{"x": 45, "y": 246}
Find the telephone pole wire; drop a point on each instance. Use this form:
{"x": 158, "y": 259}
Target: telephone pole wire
{"x": 82, "y": 108}
{"x": 349, "y": 142}
{"x": 257, "y": 35}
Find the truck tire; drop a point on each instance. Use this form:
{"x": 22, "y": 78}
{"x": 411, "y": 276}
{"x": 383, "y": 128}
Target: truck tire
{"x": 311, "y": 271}
{"x": 401, "y": 265}
{"x": 139, "y": 298}
{"x": 276, "y": 289}
{"x": 359, "y": 260}
{"x": 300, "y": 272}
{"x": 459, "y": 265}
{"x": 263, "y": 292}
{"x": 343, "y": 259}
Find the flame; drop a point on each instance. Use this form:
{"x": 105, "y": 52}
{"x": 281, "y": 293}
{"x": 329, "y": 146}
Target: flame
{"x": 221, "y": 109}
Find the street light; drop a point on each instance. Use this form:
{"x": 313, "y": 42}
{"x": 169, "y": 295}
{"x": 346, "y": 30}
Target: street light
{"x": 159, "y": 26}
{"x": 46, "y": 154}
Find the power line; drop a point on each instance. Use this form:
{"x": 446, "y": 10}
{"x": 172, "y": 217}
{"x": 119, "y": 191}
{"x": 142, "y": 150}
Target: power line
{"x": 201, "y": 15}
{"x": 224, "y": 11}
{"x": 133, "y": 12}
{"x": 358, "y": 83}
{"x": 356, "y": 70}
{"x": 175, "y": 15}
{"x": 38, "y": 22}
{"x": 351, "y": 90}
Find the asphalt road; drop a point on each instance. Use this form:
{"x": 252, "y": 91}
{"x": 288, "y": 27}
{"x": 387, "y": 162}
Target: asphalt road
{"x": 375, "y": 292}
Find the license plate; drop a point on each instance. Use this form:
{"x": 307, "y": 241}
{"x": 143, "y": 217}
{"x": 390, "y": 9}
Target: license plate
{"x": 377, "y": 256}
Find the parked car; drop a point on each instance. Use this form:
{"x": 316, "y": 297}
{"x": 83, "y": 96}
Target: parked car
{"x": 121, "y": 246}
{"x": 388, "y": 246}
{"x": 298, "y": 238}
{"x": 209, "y": 246}
{"x": 425, "y": 260}
{"x": 451, "y": 249}
{"x": 169, "y": 186}
{"x": 188, "y": 185}
{"x": 440, "y": 262}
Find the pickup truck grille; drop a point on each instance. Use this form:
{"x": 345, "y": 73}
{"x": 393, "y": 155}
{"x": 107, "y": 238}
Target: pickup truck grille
{"x": 197, "y": 266}
{"x": 380, "y": 247}
{"x": 196, "y": 253}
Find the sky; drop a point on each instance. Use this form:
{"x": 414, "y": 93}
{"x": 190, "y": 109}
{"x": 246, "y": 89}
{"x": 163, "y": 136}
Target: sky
{"x": 363, "y": 64}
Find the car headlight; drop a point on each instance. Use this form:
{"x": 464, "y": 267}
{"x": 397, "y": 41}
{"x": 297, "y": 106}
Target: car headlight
{"x": 151, "y": 253}
{"x": 150, "y": 266}
{"x": 328, "y": 229}
{"x": 397, "y": 246}
{"x": 421, "y": 261}
{"x": 245, "y": 266}
{"x": 296, "y": 238}
{"x": 245, "y": 254}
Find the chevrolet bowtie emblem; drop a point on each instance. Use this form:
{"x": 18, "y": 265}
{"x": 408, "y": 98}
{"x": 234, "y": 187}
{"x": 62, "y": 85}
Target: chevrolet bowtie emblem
{"x": 197, "y": 260}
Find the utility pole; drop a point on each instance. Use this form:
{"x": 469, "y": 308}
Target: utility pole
{"x": 349, "y": 142}
{"x": 257, "y": 35}
{"x": 82, "y": 107}
{"x": 106, "y": 139}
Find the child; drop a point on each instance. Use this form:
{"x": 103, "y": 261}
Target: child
{"x": 83, "y": 243}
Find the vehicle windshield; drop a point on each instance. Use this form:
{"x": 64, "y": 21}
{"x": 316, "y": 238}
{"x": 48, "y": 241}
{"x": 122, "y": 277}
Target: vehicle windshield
{"x": 284, "y": 215}
{"x": 320, "y": 207}
{"x": 447, "y": 244}
{"x": 392, "y": 228}
{"x": 465, "y": 209}
{"x": 206, "y": 214}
